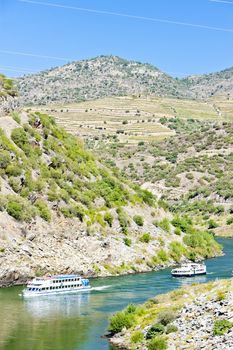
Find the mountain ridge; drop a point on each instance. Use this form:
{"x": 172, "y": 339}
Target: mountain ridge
{"x": 105, "y": 76}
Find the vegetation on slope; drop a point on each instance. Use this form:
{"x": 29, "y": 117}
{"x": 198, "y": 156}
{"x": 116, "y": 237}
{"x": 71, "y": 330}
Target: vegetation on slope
{"x": 219, "y": 83}
{"x": 47, "y": 173}
{"x": 190, "y": 171}
{"x": 188, "y": 317}
{"x": 44, "y": 165}
{"x": 6, "y": 87}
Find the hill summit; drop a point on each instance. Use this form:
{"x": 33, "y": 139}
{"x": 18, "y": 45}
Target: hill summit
{"x": 95, "y": 78}
{"x": 106, "y": 76}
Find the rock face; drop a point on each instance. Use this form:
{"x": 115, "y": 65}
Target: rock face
{"x": 66, "y": 246}
{"x": 8, "y": 104}
{"x": 196, "y": 321}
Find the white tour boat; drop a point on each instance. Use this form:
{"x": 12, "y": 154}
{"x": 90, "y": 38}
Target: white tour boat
{"x": 189, "y": 270}
{"x": 56, "y": 285}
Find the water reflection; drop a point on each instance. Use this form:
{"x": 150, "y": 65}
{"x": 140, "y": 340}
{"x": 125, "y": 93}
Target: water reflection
{"x": 66, "y": 305}
{"x": 191, "y": 280}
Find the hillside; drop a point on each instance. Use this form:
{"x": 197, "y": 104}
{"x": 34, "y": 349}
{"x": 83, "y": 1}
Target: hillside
{"x": 181, "y": 150}
{"x": 64, "y": 211}
{"x": 191, "y": 318}
{"x": 106, "y": 76}
{"x": 214, "y": 84}
{"x": 8, "y": 92}
{"x": 95, "y": 78}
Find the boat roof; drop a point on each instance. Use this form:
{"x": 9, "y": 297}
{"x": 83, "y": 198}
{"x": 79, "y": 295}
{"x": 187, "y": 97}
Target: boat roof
{"x": 60, "y": 277}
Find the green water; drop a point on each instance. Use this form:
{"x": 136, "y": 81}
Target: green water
{"x": 73, "y": 322}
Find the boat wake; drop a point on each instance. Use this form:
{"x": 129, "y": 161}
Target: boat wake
{"x": 100, "y": 288}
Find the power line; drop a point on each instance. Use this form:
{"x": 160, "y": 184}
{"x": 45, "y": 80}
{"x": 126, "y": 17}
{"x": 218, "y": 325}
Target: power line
{"x": 20, "y": 53}
{"x": 200, "y": 26}
{"x": 18, "y": 69}
{"x": 222, "y": 2}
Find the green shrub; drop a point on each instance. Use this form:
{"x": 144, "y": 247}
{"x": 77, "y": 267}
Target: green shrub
{"x": 15, "y": 209}
{"x": 166, "y": 317}
{"x": 131, "y": 308}
{"x": 53, "y": 194}
{"x": 165, "y": 225}
{"x": 20, "y": 138}
{"x": 5, "y": 159}
{"x": 201, "y": 243}
{"x": 72, "y": 211}
{"x": 212, "y": 224}
{"x": 156, "y": 329}
{"x": 221, "y": 327}
{"x": 230, "y": 221}
{"x": 221, "y": 296}
{"x": 16, "y": 117}
{"x": 138, "y": 220}
{"x": 190, "y": 176}
{"x": 137, "y": 337}
{"x": 145, "y": 238}
{"x": 123, "y": 220}
{"x": 15, "y": 184}
{"x": 146, "y": 196}
{"x": 43, "y": 210}
{"x": 182, "y": 223}
{"x": 157, "y": 343}
{"x": 3, "y": 202}
{"x": 177, "y": 250}
{"x": 14, "y": 169}
{"x": 128, "y": 242}
{"x": 121, "y": 320}
{"x": 177, "y": 231}
{"x": 162, "y": 255}
{"x": 108, "y": 218}
{"x": 19, "y": 209}
{"x": 171, "y": 328}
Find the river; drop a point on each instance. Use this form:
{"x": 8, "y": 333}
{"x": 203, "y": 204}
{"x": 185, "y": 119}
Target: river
{"x": 76, "y": 322}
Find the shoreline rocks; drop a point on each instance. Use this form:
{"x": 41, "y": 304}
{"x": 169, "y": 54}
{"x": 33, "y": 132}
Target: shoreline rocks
{"x": 204, "y": 319}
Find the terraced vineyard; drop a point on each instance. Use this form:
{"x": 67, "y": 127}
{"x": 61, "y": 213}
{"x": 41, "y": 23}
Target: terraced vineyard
{"x": 133, "y": 119}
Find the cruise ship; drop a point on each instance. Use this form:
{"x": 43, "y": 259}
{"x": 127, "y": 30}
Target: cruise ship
{"x": 189, "y": 270}
{"x": 56, "y": 285}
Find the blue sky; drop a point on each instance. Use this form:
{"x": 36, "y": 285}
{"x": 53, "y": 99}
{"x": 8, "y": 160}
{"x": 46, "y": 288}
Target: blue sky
{"x": 69, "y": 31}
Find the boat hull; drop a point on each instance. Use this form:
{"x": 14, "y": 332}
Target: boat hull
{"x": 27, "y": 294}
{"x": 188, "y": 274}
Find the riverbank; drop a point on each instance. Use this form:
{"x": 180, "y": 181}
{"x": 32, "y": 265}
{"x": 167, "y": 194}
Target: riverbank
{"x": 193, "y": 317}
{"x": 224, "y": 232}
{"x": 64, "y": 246}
